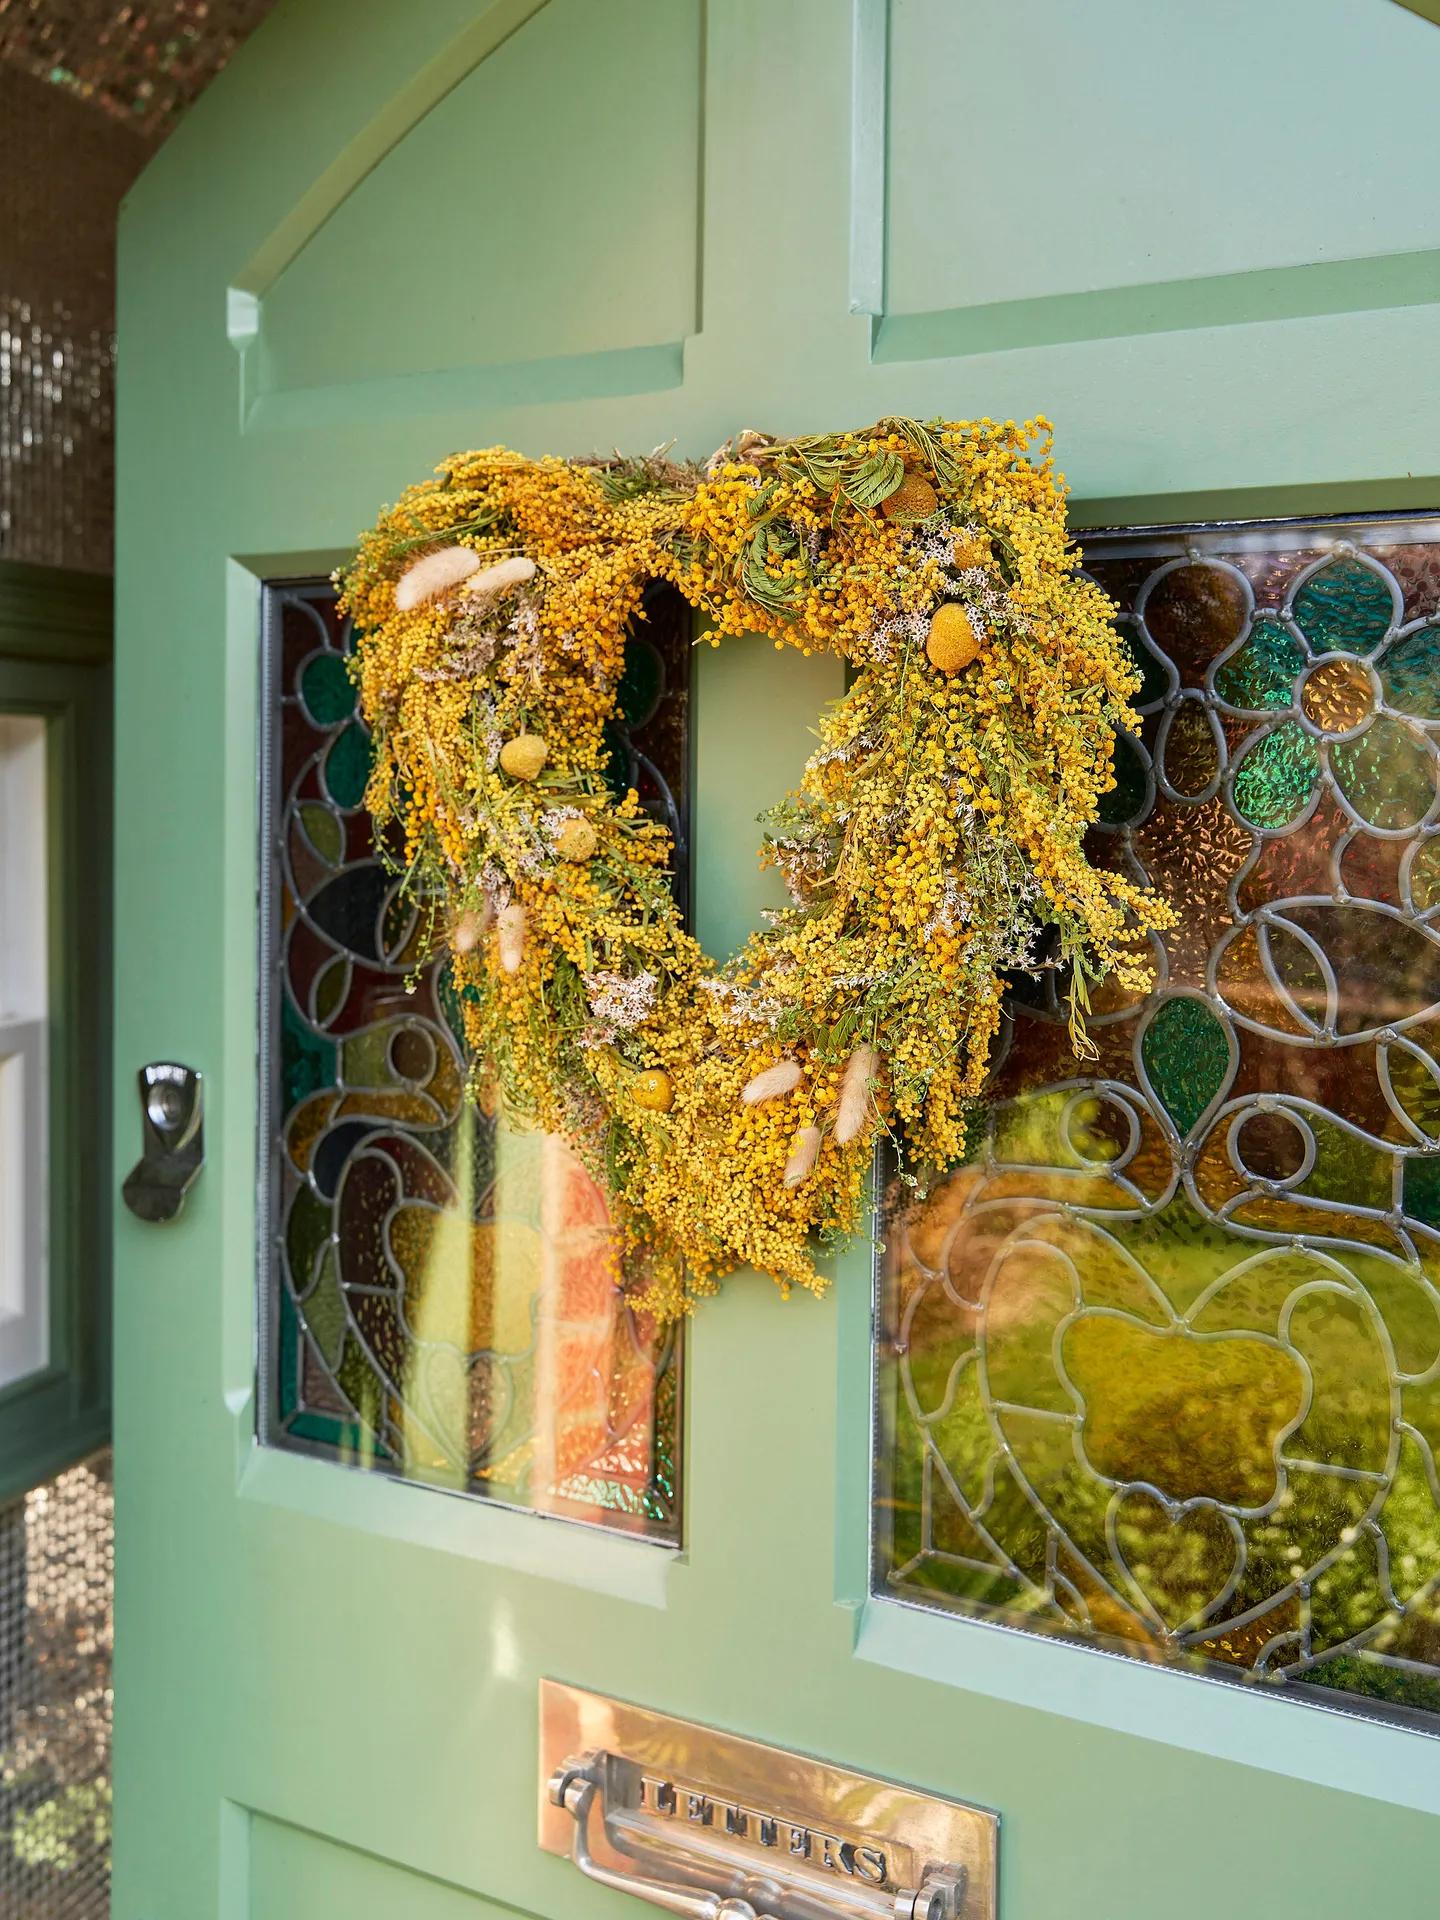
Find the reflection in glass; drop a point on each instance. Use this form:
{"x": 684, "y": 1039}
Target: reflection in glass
{"x": 1160, "y": 1364}
{"x": 441, "y": 1291}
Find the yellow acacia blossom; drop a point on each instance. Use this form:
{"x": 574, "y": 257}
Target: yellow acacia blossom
{"x": 935, "y": 845}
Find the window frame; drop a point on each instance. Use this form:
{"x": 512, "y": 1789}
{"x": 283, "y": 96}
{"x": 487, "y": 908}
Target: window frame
{"x": 55, "y": 663}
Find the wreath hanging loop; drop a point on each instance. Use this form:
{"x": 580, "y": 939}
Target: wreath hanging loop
{"x": 936, "y": 842}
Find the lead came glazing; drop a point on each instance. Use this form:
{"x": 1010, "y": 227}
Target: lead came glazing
{"x": 442, "y": 1297}
{"x": 1160, "y": 1365}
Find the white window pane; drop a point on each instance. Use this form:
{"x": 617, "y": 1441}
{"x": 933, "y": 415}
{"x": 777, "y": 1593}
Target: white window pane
{"x": 24, "y": 1011}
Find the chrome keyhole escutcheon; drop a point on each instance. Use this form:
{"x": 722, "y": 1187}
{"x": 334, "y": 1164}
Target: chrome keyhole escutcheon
{"x": 172, "y": 1126}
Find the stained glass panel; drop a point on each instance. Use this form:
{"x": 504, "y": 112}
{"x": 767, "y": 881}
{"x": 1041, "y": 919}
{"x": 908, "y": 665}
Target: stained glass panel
{"x": 1159, "y": 1365}
{"x": 440, "y": 1290}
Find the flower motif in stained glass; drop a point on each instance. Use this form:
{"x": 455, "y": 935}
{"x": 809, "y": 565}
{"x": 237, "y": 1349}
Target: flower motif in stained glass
{"x": 1166, "y": 1371}
{"x": 1337, "y": 696}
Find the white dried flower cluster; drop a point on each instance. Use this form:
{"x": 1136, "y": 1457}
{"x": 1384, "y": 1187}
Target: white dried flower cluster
{"x": 935, "y": 538}
{"x": 495, "y": 887}
{"x": 953, "y": 911}
{"x": 1004, "y": 935}
{"x": 554, "y": 818}
{"x": 803, "y": 865}
{"x": 886, "y": 635}
{"x": 620, "y": 1002}
{"x": 472, "y": 642}
{"x": 864, "y": 743}
{"x": 523, "y": 634}
{"x": 742, "y": 1006}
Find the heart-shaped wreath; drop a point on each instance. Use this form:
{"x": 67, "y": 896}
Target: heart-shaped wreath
{"x": 936, "y": 842}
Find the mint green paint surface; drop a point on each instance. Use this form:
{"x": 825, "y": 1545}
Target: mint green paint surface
{"x": 586, "y": 247}
{"x": 326, "y": 1684}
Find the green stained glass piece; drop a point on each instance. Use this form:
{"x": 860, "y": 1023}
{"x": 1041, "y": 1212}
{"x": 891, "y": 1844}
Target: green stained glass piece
{"x": 324, "y": 832}
{"x": 289, "y": 1370}
{"x": 642, "y": 683}
{"x": 1277, "y": 776}
{"x": 1422, "y": 1188}
{"x": 1262, "y": 674}
{"x": 347, "y": 767}
{"x": 1126, "y": 798}
{"x": 325, "y": 1310}
{"x": 361, "y": 1384}
{"x": 307, "y": 1060}
{"x": 327, "y": 689}
{"x": 1409, "y": 1523}
{"x": 1153, "y": 681}
{"x": 1345, "y": 607}
{"x": 1425, "y": 876}
{"x": 330, "y": 987}
{"x": 1347, "y": 1168}
{"x": 1395, "y": 1686}
{"x": 1187, "y": 1057}
{"x": 306, "y": 1231}
{"x": 365, "y": 1060}
{"x": 1387, "y": 775}
{"x": 1411, "y": 674}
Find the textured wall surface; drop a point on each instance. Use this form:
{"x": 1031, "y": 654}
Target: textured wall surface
{"x": 87, "y": 90}
{"x": 63, "y": 170}
{"x": 56, "y": 1577}
{"x": 144, "y": 65}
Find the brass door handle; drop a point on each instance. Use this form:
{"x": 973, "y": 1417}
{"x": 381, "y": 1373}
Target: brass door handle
{"x": 576, "y": 1786}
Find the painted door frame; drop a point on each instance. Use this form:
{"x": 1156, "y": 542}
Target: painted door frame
{"x": 55, "y": 647}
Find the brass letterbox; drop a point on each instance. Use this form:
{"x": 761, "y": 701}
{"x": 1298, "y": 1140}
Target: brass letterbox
{"x": 710, "y": 1826}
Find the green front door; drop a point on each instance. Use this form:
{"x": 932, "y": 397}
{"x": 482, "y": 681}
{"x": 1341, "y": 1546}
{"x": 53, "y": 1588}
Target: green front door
{"x": 1206, "y": 247}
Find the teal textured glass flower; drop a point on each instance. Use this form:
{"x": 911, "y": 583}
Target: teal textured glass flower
{"x": 1276, "y": 776}
{"x": 1260, "y": 674}
{"x": 1346, "y": 606}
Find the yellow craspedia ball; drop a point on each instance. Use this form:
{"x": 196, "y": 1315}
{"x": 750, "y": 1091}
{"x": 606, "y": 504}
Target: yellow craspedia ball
{"x": 952, "y": 643}
{"x": 524, "y": 756}
{"x": 913, "y": 499}
{"x": 576, "y": 840}
{"x": 654, "y": 1090}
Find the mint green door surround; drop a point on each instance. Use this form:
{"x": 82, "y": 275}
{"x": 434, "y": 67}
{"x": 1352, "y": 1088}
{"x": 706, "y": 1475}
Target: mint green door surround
{"x": 1205, "y": 243}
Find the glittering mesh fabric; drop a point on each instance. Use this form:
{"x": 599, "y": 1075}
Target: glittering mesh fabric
{"x": 55, "y": 1643}
{"x": 143, "y": 64}
{"x": 57, "y": 454}
{"x": 88, "y": 88}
